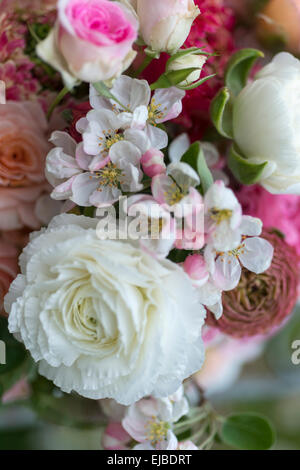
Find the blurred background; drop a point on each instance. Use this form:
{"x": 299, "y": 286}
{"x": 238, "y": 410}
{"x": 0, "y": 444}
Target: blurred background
{"x": 269, "y": 385}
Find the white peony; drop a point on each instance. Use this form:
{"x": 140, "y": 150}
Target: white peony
{"x": 102, "y": 317}
{"x": 266, "y": 123}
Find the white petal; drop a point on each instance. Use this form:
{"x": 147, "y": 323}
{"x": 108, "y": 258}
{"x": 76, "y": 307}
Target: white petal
{"x": 157, "y": 137}
{"x": 184, "y": 175}
{"x": 250, "y": 226}
{"x": 138, "y": 138}
{"x": 178, "y": 147}
{"x": 82, "y": 188}
{"x": 227, "y": 272}
{"x": 258, "y": 255}
{"x": 131, "y": 92}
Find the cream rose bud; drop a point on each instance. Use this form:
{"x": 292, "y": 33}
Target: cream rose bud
{"x": 266, "y": 123}
{"x": 91, "y": 41}
{"x": 102, "y": 317}
{"x": 187, "y": 62}
{"x": 165, "y": 24}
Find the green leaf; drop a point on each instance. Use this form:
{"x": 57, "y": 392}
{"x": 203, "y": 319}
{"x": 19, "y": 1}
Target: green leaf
{"x": 194, "y": 157}
{"x": 173, "y": 78}
{"x": 248, "y": 431}
{"x": 243, "y": 170}
{"x": 239, "y": 67}
{"x": 221, "y": 113}
{"x": 197, "y": 83}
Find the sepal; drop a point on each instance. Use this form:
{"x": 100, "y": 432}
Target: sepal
{"x": 244, "y": 171}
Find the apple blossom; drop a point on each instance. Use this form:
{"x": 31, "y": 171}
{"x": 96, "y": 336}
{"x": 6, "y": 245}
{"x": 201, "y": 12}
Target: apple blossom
{"x": 223, "y": 216}
{"x": 153, "y": 163}
{"x": 138, "y": 110}
{"x": 150, "y": 420}
{"x": 253, "y": 252}
{"x": 75, "y": 176}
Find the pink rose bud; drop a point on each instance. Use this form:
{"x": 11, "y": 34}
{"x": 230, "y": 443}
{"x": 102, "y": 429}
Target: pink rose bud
{"x": 92, "y": 40}
{"x": 195, "y": 267}
{"x": 153, "y": 163}
{"x": 165, "y": 24}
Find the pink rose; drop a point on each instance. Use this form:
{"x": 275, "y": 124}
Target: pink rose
{"x": 92, "y": 40}
{"x": 8, "y": 268}
{"x": 23, "y": 144}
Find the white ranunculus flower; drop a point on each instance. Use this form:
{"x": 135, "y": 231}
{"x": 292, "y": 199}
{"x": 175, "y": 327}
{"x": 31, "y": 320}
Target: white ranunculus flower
{"x": 102, "y": 317}
{"x": 165, "y": 24}
{"x": 266, "y": 123}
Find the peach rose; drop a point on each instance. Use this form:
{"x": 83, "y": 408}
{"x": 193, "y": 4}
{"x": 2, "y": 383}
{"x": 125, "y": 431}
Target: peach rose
{"x": 23, "y": 144}
{"x": 27, "y": 207}
{"x": 8, "y": 268}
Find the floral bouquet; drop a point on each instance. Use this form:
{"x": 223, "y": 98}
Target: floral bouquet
{"x": 149, "y": 182}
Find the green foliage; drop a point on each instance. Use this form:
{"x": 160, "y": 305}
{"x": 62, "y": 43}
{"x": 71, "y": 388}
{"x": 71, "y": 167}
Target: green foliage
{"x": 221, "y": 113}
{"x": 54, "y": 406}
{"x": 194, "y": 157}
{"x": 239, "y": 68}
{"x": 243, "y": 170}
{"x": 248, "y": 431}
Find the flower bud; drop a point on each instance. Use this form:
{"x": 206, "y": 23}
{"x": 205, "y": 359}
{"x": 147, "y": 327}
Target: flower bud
{"x": 165, "y": 24}
{"x": 195, "y": 267}
{"x": 186, "y": 62}
{"x": 153, "y": 163}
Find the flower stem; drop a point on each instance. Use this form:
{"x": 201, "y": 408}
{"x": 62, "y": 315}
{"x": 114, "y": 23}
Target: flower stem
{"x": 147, "y": 61}
{"x": 189, "y": 422}
{"x": 57, "y": 100}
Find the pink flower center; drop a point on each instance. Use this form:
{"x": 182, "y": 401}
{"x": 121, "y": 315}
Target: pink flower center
{"x": 100, "y": 22}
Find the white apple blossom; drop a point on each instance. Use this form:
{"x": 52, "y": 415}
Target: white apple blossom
{"x": 137, "y": 110}
{"x": 75, "y": 176}
{"x": 253, "y": 252}
{"x": 102, "y": 129}
{"x": 150, "y": 420}
{"x": 208, "y": 293}
{"x": 158, "y": 231}
{"x": 103, "y": 318}
{"x": 223, "y": 217}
